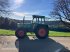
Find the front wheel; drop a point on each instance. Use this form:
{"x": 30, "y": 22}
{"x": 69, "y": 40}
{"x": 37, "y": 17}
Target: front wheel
{"x": 20, "y": 33}
{"x": 42, "y": 32}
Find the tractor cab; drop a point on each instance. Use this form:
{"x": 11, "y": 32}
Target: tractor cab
{"x": 38, "y": 19}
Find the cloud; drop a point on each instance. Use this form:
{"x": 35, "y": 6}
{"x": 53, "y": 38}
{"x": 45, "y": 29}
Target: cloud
{"x": 27, "y": 14}
{"x": 18, "y": 14}
{"x": 38, "y": 12}
{"x": 16, "y": 3}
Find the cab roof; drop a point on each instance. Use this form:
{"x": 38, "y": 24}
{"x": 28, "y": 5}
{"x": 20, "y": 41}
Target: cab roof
{"x": 38, "y": 16}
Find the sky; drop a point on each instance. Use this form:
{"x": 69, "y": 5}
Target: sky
{"x": 28, "y": 8}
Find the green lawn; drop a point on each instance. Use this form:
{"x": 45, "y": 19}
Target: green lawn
{"x": 6, "y": 32}
{"x": 51, "y": 33}
{"x": 55, "y": 33}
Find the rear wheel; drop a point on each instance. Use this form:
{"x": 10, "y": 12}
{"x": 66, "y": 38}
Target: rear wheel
{"x": 42, "y": 32}
{"x": 20, "y": 33}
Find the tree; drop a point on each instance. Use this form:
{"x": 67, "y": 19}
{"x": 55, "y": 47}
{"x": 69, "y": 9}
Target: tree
{"x": 62, "y": 11}
{"x": 1, "y": 22}
{"x": 12, "y": 24}
{"x": 6, "y": 23}
{"x": 4, "y": 5}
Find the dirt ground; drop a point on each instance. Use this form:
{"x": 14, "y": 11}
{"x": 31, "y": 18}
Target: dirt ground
{"x": 32, "y": 44}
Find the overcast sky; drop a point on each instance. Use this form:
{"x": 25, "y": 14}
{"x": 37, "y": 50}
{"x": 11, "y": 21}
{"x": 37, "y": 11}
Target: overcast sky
{"x": 28, "y": 8}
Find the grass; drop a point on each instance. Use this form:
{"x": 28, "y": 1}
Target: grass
{"x": 51, "y": 33}
{"x": 55, "y": 33}
{"x": 7, "y": 32}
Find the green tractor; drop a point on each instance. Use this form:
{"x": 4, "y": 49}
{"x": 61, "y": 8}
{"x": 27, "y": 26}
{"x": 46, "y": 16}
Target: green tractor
{"x": 37, "y": 26}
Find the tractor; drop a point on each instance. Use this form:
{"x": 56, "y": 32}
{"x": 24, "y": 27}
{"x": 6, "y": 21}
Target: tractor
{"x": 38, "y": 26}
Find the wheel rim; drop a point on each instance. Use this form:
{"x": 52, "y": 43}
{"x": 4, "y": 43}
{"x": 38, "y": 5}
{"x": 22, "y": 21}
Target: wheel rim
{"x": 21, "y": 33}
{"x": 42, "y": 32}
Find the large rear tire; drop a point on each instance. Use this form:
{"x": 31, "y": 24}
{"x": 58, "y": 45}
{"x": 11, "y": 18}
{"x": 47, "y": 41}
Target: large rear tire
{"x": 20, "y": 33}
{"x": 42, "y": 32}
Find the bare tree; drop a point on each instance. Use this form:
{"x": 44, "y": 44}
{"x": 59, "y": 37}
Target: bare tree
{"x": 62, "y": 11}
{"x": 4, "y": 5}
